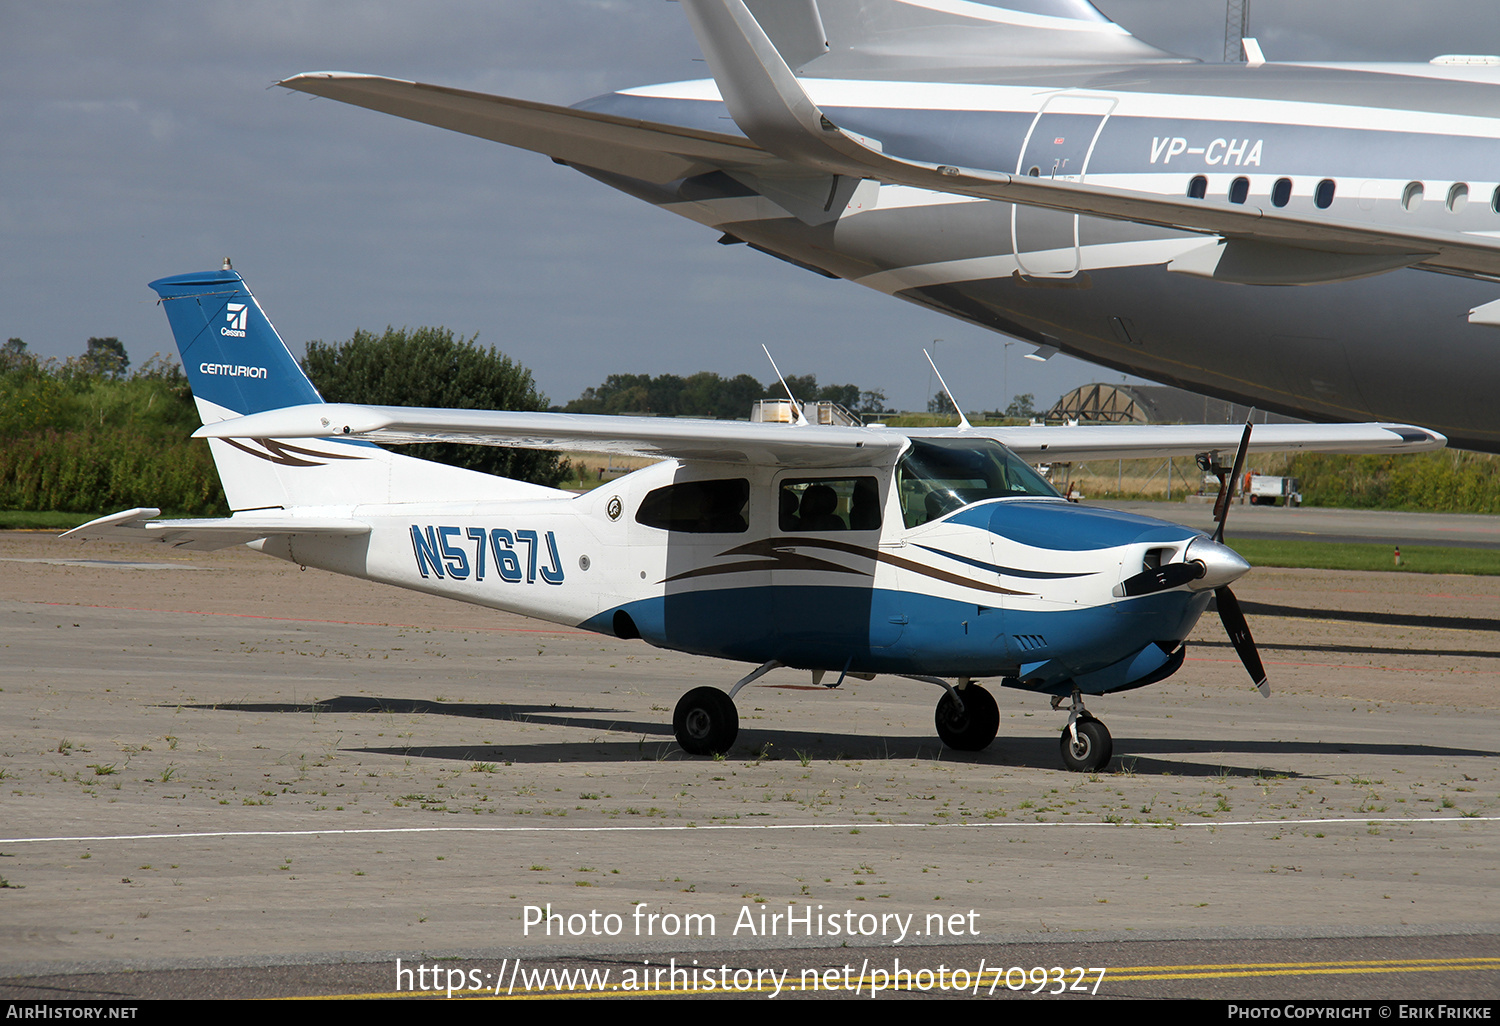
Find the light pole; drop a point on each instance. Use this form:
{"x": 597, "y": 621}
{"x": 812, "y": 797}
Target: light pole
{"x": 1005, "y": 374}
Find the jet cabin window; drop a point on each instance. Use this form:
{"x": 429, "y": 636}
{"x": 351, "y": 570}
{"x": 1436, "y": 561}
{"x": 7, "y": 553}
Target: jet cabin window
{"x": 698, "y": 507}
{"x": 939, "y": 475}
{"x": 830, "y": 504}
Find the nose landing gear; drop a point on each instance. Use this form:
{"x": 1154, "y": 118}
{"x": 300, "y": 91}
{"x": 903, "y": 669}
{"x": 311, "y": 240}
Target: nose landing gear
{"x": 1085, "y": 742}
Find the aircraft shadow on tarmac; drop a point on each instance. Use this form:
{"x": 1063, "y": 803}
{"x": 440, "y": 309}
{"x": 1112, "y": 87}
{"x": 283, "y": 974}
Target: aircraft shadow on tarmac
{"x": 1412, "y": 650}
{"x": 1458, "y": 623}
{"x": 654, "y": 742}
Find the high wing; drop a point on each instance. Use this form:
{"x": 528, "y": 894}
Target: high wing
{"x": 787, "y": 445}
{"x": 1073, "y": 443}
{"x": 810, "y": 445}
{"x": 771, "y": 106}
{"x": 136, "y": 525}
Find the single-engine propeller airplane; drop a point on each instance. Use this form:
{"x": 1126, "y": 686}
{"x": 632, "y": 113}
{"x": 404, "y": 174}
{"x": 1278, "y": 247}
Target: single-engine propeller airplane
{"x": 936, "y": 554}
{"x": 1031, "y": 167}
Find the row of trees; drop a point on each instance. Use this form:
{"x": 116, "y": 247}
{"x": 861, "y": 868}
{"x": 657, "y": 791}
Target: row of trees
{"x": 707, "y": 394}
{"x": 87, "y": 435}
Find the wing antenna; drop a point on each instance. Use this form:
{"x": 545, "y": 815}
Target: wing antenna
{"x": 796, "y": 406}
{"x": 963, "y": 422}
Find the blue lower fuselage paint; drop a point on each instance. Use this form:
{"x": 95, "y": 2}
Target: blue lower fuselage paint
{"x": 879, "y": 631}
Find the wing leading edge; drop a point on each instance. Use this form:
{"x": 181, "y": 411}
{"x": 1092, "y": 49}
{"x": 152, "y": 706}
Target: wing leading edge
{"x": 798, "y": 446}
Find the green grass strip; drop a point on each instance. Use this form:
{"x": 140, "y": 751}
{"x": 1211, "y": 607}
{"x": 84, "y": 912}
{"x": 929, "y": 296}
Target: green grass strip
{"x": 42, "y": 520}
{"x": 1417, "y": 559}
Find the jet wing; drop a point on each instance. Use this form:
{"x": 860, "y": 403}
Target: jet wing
{"x": 809, "y": 445}
{"x": 773, "y": 109}
{"x": 138, "y": 525}
{"x": 641, "y": 149}
{"x": 788, "y": 445}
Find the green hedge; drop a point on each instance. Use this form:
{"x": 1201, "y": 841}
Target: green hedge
{"x": 106, "y": 470}
{"x": 1450, "y": 481}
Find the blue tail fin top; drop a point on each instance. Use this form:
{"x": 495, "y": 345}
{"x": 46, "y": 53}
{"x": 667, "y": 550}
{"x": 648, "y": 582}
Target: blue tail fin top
{"x": 232, "y": 356}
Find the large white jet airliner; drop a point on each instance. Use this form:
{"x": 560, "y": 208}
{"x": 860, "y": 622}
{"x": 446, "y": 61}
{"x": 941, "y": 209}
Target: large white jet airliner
{"x": 1321, "y": 240}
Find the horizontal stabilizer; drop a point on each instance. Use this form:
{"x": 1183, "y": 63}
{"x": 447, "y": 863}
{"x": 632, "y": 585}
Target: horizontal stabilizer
{"x": 139, "y": 525}
{"x": 640, "y": 149}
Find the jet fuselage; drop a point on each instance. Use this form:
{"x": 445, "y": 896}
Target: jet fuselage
{"x": 1412, "y": 147}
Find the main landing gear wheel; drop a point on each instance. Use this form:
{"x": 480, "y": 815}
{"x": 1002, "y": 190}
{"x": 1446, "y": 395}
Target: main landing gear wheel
{"x": 973, "y": 728}
{"x": 1093, "y": 748}
{"x": 706, "y": 722}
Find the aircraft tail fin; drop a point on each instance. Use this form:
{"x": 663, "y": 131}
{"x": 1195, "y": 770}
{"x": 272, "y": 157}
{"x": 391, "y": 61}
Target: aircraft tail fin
{"x": 234, "y": 360}
{"x": 238, "y": 365}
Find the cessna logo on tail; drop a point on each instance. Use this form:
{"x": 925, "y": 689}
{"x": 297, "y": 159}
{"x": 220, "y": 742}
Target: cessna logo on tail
{"x": 236, "y": 314}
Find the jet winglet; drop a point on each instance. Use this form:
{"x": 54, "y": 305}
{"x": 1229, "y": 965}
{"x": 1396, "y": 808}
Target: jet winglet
{"x": 762, "y": 94}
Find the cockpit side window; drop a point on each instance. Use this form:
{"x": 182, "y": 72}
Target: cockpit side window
{"x": 937, "y": 476}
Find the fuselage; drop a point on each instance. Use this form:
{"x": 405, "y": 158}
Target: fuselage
{"x": 1404, "y": 146}
{"x": 858, "y": 569}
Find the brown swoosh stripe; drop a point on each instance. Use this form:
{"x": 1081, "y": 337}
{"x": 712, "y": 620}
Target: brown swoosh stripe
{"x": 780, "y": 559}
{"x": 278, "y": 452}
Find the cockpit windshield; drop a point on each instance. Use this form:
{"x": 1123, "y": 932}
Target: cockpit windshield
{"x": 939, "y": 475}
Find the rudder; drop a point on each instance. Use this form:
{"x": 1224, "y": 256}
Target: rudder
{"x": 235, "y": 361}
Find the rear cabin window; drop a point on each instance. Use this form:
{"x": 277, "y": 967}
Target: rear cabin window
{"x": 830, "y": 504}
{"x": 698, "y": 507}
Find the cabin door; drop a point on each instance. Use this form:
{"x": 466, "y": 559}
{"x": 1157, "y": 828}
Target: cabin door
{"x": 1059, "y": 146}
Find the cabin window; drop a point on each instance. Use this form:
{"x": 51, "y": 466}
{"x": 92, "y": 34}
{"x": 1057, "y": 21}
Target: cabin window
{"x": 830, "y": 504}
{"x": 1281, "y": 192}
{"x": 1198, "y": 187}
{"x": 1458, "y": 196}
{"x": 698, "y": 507}
{"x": 1495, "y": 200}
{"x": 1411, "y": 196}
{"x": 1239, "y": 190}
{"x": 1323, "y": 197}
{"x": 939, "y": 475}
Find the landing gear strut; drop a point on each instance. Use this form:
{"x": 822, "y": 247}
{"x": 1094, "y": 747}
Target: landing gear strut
{"x": 1085, "y": 742}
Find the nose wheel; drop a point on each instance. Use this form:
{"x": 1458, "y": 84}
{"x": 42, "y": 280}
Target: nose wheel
{"x": 706, "y": 722}
{"x": 970, "y": 723}
{"x": 1086, "y": 745}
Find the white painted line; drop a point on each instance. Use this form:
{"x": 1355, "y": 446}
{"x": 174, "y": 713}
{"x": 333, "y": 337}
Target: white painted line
{"x": 1358, "y": 820}
{"x": 112, "y": 564}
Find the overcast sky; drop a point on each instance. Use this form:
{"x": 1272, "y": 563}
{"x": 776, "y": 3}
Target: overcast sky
{"x": 143, "y": 139}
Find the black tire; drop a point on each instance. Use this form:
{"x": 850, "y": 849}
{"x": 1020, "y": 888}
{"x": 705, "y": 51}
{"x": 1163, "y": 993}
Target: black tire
{"x": 975, "y": 727}
{"x": 706, "y": 722}
{"x": 1092, "y": 750}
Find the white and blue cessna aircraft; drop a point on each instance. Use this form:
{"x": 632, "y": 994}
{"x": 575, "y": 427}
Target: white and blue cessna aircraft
{"x": 1321, "y": 240}
{"x": 936, "y": 554}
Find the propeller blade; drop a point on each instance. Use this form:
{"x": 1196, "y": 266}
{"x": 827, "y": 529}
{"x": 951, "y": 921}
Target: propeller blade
{"x": 1173, "y": 575}
{"x": 1239, "y": 636}
{"x": 1226, "y": 488}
